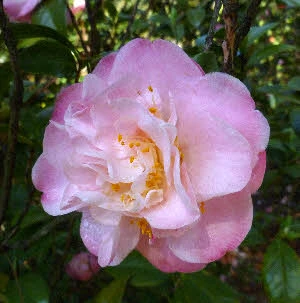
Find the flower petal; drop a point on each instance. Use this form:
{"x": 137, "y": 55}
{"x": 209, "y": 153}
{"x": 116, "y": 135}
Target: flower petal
{"x": 258, "y": 173}
{"x": 217, "y": 157}
{"x": 112, "y": 243}
{"x": 158, "y": 253}
{"x": 149, "y": 57}
{"x": 223, "y": 226}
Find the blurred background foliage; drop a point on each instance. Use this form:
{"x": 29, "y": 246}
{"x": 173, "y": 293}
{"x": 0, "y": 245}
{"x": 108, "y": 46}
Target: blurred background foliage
{"x": 55, "y": 51}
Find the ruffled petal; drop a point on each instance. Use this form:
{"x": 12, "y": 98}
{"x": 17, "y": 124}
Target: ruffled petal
{"x": 223, "y": 226}
{"x": 228, "y": 99}
{"x": 149, "y": 57}
{"x": 217, "y": 157}
{"x": 112, "y": 243}
{"x": 258, "y": 173}
{"x": 67, "y": 95}
{"x": 159, "y": 254}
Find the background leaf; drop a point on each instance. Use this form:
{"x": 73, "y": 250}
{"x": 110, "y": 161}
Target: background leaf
{"x": 48, "y": 57}
{"x": 281, "y": 273}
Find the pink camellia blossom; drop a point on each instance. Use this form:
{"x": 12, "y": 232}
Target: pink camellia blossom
{"x": 157, "y": 156}
{"x": 83, "y": 266}
{"x": 78, "y": 6}
{"x": 20, "y": 10}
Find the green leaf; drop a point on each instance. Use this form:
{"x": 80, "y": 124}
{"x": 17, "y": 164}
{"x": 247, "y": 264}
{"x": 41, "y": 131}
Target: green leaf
{"x": 208, "y": 61}
{"x": 201, "y": 287}
{"x": 113, "y": 293}
{"x": 31, "y": 287}
{"x": 27, "y": 31}
{"x": 52, "y": 14}
{"x": 281, "y": 273}
{"x": 292, "y": 3}
{"x": 48, "y": 57}
{"x": 295, "y": 119}
{"x": 196, "y": 16}
{"x": 269, "y": 50}
{"x": 142, "y": 273}
{"x": 35, "y": 215}
{"x": 258, "y": 31}
{"x": 294, "y": 83}
{"x": 6, "y": 76}
{"x": 290, "y": 228}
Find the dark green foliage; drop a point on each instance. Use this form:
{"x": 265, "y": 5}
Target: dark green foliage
{"x": 34, "y": 247}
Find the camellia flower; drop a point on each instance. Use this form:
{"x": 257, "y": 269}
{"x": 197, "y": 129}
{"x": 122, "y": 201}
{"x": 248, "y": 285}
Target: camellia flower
{"x": 78, "y": 6}
{"x": 20, "y": 10}
{"x": 83, "y": 266}
{"x": 157, "y": 156}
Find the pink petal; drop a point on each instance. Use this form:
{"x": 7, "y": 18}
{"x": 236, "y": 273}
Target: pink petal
{"x": 149, "y": 57}
{"x": 18, "y": 9}
{"x": 228, "y": 99}
{"x": 178, "y": 209}
{"x": 52, "y": 183}
{"x": 223, "y": 226}
{"x": 217, "y": 157}
{"x": 258, "y": 173}
{"x": 103, "y": 68}
{"x": 158, "y": 253}
{"x": 67, "y": 95}
{"x": 112, "y": 243}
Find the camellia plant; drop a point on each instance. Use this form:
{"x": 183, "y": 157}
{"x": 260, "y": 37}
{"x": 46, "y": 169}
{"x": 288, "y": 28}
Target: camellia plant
{"x": 136, "y": 165}
{"x": 157, "y": 156}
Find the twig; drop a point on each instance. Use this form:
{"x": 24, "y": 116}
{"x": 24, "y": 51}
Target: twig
{"x": 78, "y": 31}
{"x": 128, "y": 29}
{"x": 244, "y": 28}
{"x": 15, "y": 105}
{"x": 212, "y": 26}
{"x": 229, "y": 44}
{"x": 94, "y": 35}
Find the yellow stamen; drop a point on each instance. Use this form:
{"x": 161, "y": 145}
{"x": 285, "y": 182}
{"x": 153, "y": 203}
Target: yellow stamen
{"x": 125, "y": 198}
{"x": 120, "y": 137}
{"x": 150, "y": 88}
{"x": 115, "y": 187}
{"x": 131, "y": 145}
{"x": 145, "y": 150}
{"x": 132, "y": 159}
{"x": 202, "y": 207}
{"x": 122, "y": 143}
{"x": 137, "y": 144}
{"x": 145, "y": 227}
{"x": 152, "y": 110}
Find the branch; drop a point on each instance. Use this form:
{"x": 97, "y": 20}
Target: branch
{"x": 212, "y": 26}
{"x": 128, "y": 29}
{"x": 79, "y": 33}
{"x": 94, "y": 35}
{"x": 248, "y": 19}
{"x": 15, "y": 105}
{"x": 229, "y": 44}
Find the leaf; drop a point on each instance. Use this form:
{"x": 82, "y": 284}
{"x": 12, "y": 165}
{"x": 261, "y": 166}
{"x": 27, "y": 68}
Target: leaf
{"x": 292, "y": 3}
{"x": 52, "y": 14}
{"x": 35, "y": 215}
{"x": 32, "y": 287}
{"x": 258, "y": 31}
{"x": 47, "y": 57}
{"x": 290, "y": 228}
{"x": 142, "y": 273}
{"x": 281, "y": 273}
{"x": 208, "y": 61}
{"x": 6, "y": 76}
{"x": 268, "y": 51}
{"x": 196, "y": 16}
{"x": 113, "y": 293}
{"x": 27, "y": 31}
{"x": 201, "y": 287}
{"x": 295, "y": 119}
{"x": 294, "y": 83}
